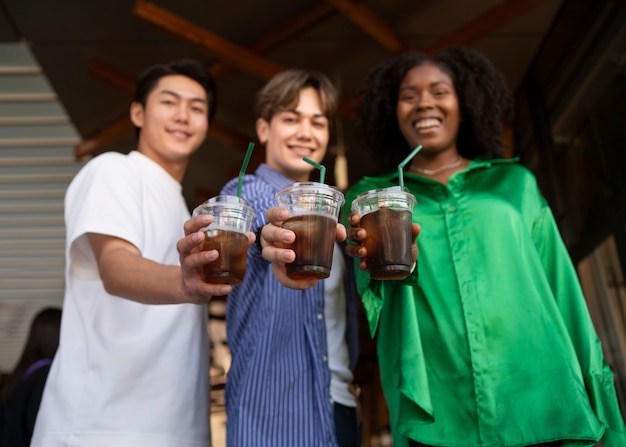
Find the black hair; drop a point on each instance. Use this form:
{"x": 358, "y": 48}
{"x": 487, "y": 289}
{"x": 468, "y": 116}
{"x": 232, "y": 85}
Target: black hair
{"x": 42, "y": 343}
{"x": 185, "y": 67}
{"x": 483, "y": 96}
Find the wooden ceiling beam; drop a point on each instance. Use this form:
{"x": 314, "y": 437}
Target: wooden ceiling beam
{"x": 279, "y": 35}
{"x": 222, "y": 68}
{"x": 372, "y": 24}
{"x": 113, "y": 76}
{"x": 503, "y": 13}
{"x": 124, "y": 126}
{"x": 473, "y": 30}
{"x": 294, "y": 26}
{"x": 107, "y": 136}
{"x": 242, "y": 58}
{"x": 119, "y": 128}
{"x": 228, "y": 136}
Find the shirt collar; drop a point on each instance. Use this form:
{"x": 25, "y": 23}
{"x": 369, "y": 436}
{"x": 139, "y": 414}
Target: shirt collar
{"x": 156, "y": 169}
{"x": 392, "y": 177}
{"x": 478, "y": 163}
{"x": 272, "y": 177}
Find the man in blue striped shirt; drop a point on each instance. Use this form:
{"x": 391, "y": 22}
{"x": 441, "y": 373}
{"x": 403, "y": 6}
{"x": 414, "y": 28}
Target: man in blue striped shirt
{"x": 293, "y": 351}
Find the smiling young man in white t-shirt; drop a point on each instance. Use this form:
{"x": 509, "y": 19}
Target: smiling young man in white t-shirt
{"x": 132, "y": 365}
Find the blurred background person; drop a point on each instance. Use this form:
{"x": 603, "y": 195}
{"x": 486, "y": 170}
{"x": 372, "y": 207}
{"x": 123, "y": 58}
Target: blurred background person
{"x": 20, "y": 392}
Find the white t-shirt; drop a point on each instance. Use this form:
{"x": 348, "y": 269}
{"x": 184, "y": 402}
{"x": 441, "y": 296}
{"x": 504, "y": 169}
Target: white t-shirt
{"x": 125, "y": 374}
{"x": 335, "y": 316}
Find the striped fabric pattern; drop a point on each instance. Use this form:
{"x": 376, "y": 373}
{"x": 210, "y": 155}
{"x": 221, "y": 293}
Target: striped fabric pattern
{"x": 277, "y": 390}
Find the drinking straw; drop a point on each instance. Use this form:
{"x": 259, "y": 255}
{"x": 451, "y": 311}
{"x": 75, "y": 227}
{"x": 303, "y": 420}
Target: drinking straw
{"x": 242, "y": 172}
{"x": 405, "y": 161}
{"x": 318, "y": 166}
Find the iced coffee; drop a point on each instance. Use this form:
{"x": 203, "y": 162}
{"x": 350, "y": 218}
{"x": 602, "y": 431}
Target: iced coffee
{"x": 386, "y": 215}
{"x": 228, "y": 234}
{"x": 313, "y": 209}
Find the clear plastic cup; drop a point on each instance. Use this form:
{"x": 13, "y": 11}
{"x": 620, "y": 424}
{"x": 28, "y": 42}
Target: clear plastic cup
{"x": 386, "y": 215}
{"x": 313, "y": 212}
{"x": 228, "y": 234}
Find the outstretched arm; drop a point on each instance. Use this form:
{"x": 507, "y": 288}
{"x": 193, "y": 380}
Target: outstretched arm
{"x": 126, "y": 273}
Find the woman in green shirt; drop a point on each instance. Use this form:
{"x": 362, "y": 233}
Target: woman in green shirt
{"x": 488, "y": 342}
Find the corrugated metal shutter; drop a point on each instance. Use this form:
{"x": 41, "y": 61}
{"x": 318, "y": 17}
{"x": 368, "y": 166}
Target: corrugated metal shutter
{"x": 36, "y": 166}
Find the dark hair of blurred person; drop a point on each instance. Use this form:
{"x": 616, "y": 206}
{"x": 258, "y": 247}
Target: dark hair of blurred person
{"x": 20, "y": 393}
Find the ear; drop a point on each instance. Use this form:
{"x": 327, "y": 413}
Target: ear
{"x": 262, "y": 130}
{"x": 136, "y": 114}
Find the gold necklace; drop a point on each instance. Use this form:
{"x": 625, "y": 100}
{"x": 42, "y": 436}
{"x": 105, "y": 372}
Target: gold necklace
{"x": 454, "y": 164}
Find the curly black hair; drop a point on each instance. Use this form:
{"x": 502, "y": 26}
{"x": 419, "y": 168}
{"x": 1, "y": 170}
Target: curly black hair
{"x": 483, "y": 96}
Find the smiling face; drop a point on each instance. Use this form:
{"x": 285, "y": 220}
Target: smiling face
{"x": 173, "y": 123}
{"x": 428, "y": 110}
{"x": 297, "y": 132}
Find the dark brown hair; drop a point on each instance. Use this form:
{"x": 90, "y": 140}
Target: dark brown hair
{"x": 283, "y": 91}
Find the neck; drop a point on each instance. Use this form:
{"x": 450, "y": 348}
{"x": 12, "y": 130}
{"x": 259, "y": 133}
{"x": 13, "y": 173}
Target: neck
{"x": 437, "y": 169}
{"x": 175, "y": 168}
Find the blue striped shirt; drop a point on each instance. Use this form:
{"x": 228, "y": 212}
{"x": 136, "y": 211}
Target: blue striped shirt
{"x": 277, "y": 391}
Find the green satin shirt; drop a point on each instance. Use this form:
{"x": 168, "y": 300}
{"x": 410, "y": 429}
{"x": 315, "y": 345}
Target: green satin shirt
{"x": 489, "y": 341}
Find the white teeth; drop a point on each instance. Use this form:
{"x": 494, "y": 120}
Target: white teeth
{"x": 426, "y": 123}
{"x": 301, "y": 149}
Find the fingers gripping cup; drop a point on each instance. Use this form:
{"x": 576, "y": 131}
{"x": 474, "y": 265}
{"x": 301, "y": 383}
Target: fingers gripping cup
{"x": 386, "y": 214}
{"x": 228, "y": 234}
{"x": 313, "y": 212}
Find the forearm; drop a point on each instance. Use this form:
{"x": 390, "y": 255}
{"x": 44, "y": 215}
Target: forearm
{"x": 128, "y": 275}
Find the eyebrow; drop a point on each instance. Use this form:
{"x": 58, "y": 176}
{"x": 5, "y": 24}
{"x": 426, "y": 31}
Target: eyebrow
{"x": 432, "y": 84}
{"x": 194, "y": 99}
{"x": 315, "y": 115}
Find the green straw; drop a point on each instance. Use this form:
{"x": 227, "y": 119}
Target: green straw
{"x": 242, "y": 172}
{"x": 318, "y": 166}
{"x": 405, "y": 161}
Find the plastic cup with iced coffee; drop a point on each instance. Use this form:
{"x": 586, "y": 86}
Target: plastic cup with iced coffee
{"x": 313, "y": 212}
{"x": 228, "y": 234}
{"x": 386, "y": 215}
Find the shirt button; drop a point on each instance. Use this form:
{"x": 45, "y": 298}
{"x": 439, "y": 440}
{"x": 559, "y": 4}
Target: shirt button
{"x": 452, "y": 208}
{"x": 320, "y": 316}
{"x": 324, "y": 358}
{"x": 331, "y": 401}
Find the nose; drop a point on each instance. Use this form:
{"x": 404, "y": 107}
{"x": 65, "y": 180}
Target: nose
{"x": 304, "y": 130}
{"x": 182, "y": 113}
{"x": 424, "y": 101}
